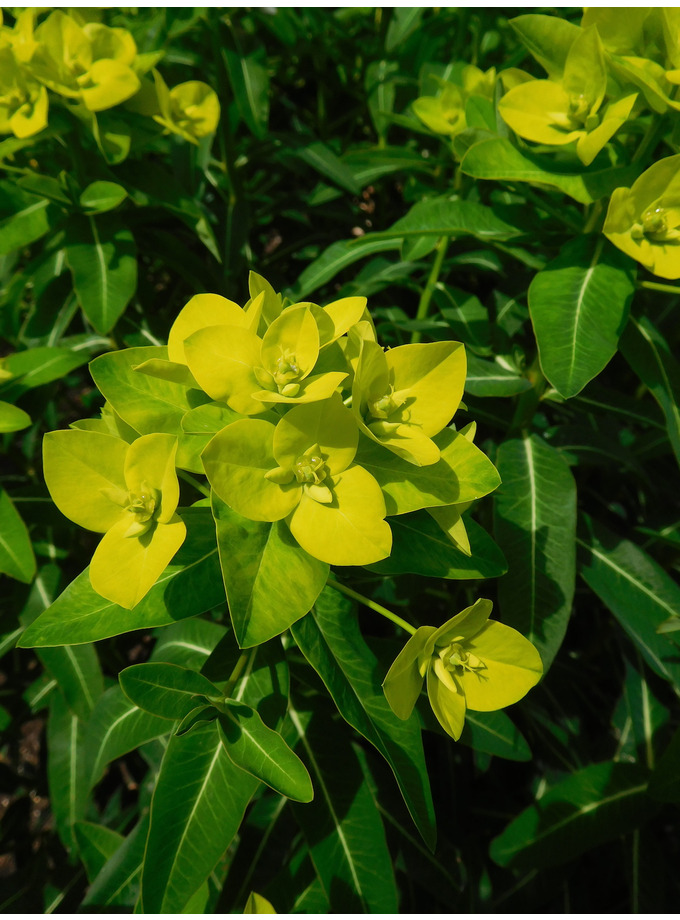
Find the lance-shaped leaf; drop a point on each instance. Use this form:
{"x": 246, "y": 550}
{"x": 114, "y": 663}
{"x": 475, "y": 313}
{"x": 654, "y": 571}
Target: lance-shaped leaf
{"x": 165, "y": 690}
{"x": 330, "y": 640}
{"x": 96, "y": 845}
{"x": 535, "y": 524}
{"x": 639, "y": 593}
{"x": 262, "y": 752}
{"x": 16, "y": 550}
{"x": 579, "y": 306}
{"x": 12, "y": 418}
{"x": 269, "y": 579}
{"x": 67, "y": 768}
{"x": 198, "y": 804}
{"x": 591, "y": 806}
{"x": 117, "y": 882}
{"x": 78, "y": 675}
{"x": 343, "y": 828}
{"x": 101, "y": 254}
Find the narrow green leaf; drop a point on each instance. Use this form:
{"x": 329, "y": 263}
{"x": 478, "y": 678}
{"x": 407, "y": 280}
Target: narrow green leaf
{"x": 16, "y": 550}
{"x": 498, "y": 158}
{"x": 67, "y": 771}
{"x": 270, "y": 580}
{"x": 381, "y": 92}
{"x": 535, "y": 525}
{"x": 579, "y": 306}
{"x": 23, "y": 217}
{"x": 250, "y": 84}
{"x": 262, "y": 752}
{"x": 650, "y": 356}
{"x": 420, "y": 546}
{"x": 636, "y": 590}
{"x": 448, "y": 217}
{"x": 188, "y": 642}
{"x": 96, "y": 845}
{"x": 78, "y": 674}
{"x": 116, "y": 727}
{"x": 494, "y": 733}
{"x": 587, "y": 809}
{"x": 664, "y": 783}
{"x": 38, "y": 366}
{"x": 102, "y": 257}
{"x": 190, "y": 585}
{"x": 638, "y": 716}
{"x": 330, "y": 640}
{"x": 334, "y": 259}
{"x": 342, "y": 826}
{"x": 322, "y": 159}
{"x": 165, "y": 690}
{"x": 117, "y": 882}
{"x": 197, "y": 808}
{"x": 489, "y": 378}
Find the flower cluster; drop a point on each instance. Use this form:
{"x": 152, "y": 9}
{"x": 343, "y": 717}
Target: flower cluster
{"x": 317, "y": 427}
{"x": 90, "y": 67}
{"x": 445, "y": 113}
{"x": 470, "y": 662}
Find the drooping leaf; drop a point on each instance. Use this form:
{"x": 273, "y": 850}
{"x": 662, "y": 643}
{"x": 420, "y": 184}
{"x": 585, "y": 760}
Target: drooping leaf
{"x": 329, "y": 638}
{"x": 535, "y": 524}
{"x": 579, "y": 305}
{"x": 588, "y": 808}
{"x": 197, "y": 808}
{"x": 102, "y": 256}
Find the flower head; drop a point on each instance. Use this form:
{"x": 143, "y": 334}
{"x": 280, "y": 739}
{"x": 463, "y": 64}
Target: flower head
{"x": 468, "y": 663}
{"x": 128, "y": 492}
{"x": 644, "y": 220}
{"x": 190, "y": 109}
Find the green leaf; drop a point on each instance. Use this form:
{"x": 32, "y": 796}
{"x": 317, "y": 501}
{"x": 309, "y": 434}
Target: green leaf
{"x": 491, "y": 378}
{"x": 331, "y": 641}
{"x": 650, "y": 356}
{"x": 421, "y": 547}
{"x": 78, "y": 674}
{"x": 664, "y": 783}
{"x": 197, "y": 808}
{"x": 579, "y": 306}
{"x": 16, "y": 550}
{"x": 498, "y": 158}
{"x": 165, "y": 690}
{"x": 12, "y": 418}
{"x": 403, "y": 22}
{"x": 535, "y": 525}
{"x": 116, "y": 883}
{"x": 342, "y": 826}
{"x": 447, "y": 217}
{"x": 102, "y": 196}
{"x": 494, "y": 733}
{"x": 262, "y": 752}
{"x": 381, "y": 92}
{"x": 67, "y": 768}
{"x": 23, "y": 218}
{"x": 188, "y": 643}
{"x": 269, "y": 579}
{"x": 638, "y": 716}
{"x": 96, "y": 845}
{"x": 333, "y": 260}
{"x": 636, "y": 590}
{"x": 324, "y": 161}
{"x": 587, "y": 809}
{"x": 38, "y": 366}
{"x": 116, "y": 727}
{"x": 103, "y": 260}
{"x": 250, "y": 84}
{"x": 548, "y": 38}
{"x": 462, "y": 474}
{"x": 148, "y": 404}
{"x": 190, "y": 585}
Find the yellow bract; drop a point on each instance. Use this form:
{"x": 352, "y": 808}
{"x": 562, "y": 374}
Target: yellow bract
{"x": 445, "y": 113}
{"x": 128, "y": 492}
{"x": 468, "y": 663}
{"x": 191, "y": 109}
{"x": 644, "y": 220}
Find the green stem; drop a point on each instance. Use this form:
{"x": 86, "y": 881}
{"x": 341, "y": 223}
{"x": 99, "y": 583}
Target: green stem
{"x": 593, "y": 217}
{"x": 655, "y": 286}
{"x": 367, "y": 602}
{"x": 650, "y": 138}
{"x": 428, "y": 291}
{"x": 187, "y": 477}
{"x": 236, "y": 673}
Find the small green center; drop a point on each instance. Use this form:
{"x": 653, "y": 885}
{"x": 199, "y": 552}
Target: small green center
{"x": 143, "y": 503}
{"x": 655, "y": 225}
{"x": 456, "y": 657}
{"x": 384, "y": 405}
{"x": 311, "y": 467}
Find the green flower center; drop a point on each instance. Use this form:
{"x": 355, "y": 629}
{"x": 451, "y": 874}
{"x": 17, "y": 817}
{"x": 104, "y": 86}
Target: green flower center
{"x": 311, "y": 467}
{"x": 143, "y": 503}
{"x": 286, "y": 372}
{"x": 579, "y": 115}
{"x": 656, "y": 226}
{"x": 455, "y": 657}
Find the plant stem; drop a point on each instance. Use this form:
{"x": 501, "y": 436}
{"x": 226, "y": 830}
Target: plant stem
{"x": 238, "y": 670}
{"x": 655, "y": 286}
{"x": 187, "y": 477}
{"x": 426, "y": 296}
{"x": 367, "y": 602}
{"x": 650, "y": 138}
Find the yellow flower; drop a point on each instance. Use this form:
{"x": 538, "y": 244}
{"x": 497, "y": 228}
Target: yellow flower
{"x": 469, "y": 663}
{"x": 191, "y": 109}
{"x": 644, "y": 220}
{"x": 23, "y": 101}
